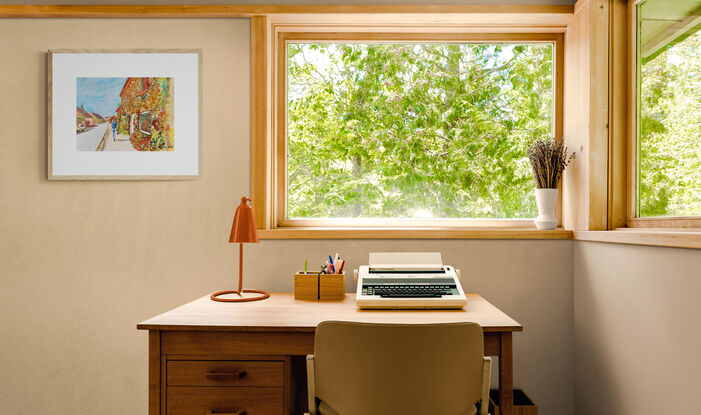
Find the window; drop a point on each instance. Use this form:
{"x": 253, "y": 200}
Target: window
{"x": 145, "y": 122}
{"x": 667, "y": 165}
{"x": 413, "y": 130}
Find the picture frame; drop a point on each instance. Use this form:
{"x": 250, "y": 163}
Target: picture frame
{"x": 124, "y": 114}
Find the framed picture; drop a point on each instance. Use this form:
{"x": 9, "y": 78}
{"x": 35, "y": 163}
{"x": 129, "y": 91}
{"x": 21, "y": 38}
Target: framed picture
{"x": 123, "y": 115}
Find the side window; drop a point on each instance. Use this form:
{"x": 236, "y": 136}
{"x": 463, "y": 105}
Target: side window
{"x": 668, "y": 162}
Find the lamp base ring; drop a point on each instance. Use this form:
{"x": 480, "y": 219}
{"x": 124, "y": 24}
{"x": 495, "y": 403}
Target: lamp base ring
{"x": 263, "y": 295}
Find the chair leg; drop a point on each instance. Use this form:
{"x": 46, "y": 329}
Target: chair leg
{"x": 486, "y": 377}
{"x": 311, "y": 385}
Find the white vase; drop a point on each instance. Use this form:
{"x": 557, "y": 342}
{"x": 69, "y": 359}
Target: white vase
{"x": 546, "y": 199}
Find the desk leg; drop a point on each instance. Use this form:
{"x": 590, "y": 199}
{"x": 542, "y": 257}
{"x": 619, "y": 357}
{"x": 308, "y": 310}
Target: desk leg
{"x": 506, "y": 374}
{"x": 154, "y": 372}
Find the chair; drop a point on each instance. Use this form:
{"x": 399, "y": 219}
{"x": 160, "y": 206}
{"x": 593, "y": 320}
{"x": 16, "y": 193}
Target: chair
{"x": 385, "y": 369}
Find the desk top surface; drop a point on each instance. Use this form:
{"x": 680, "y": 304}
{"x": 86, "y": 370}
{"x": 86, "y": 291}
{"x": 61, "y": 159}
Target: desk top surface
{"x": 281, "y": 312}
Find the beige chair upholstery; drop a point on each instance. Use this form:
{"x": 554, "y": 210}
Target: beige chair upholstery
{"x": 384, "y": 369}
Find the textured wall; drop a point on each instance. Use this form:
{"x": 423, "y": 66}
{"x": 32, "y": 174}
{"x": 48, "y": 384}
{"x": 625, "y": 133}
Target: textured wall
{"x": 636, "y": 329}
{"x": 83, "y": 262}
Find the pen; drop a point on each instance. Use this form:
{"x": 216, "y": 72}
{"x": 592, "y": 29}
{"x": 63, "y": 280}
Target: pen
{"x": 340, "y": 267}
{"x": 305, "y": 266}
{"x": 331, "y": 263}
{"x": 335, "y": 261}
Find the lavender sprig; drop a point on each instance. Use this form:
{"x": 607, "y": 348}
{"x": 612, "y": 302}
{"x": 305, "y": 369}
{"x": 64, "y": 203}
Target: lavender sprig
{"x": 548, "y": 159}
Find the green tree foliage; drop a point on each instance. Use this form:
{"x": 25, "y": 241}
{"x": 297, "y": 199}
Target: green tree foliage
{"x": 670, "y": 131}
{"x": 414, "y": 130}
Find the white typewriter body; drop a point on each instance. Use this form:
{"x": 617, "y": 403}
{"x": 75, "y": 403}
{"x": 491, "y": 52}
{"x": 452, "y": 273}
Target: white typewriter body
{"x": 408, "y": 280}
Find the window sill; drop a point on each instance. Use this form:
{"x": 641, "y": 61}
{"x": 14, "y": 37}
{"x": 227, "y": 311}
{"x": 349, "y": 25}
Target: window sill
{"x": 410, "y": 233}
{"x": 676, "y": 238}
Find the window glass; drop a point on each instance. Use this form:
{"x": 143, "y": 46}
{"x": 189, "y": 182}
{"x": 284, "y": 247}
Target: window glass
{"x": 145, "y": 122}
{"x": 415, "y": 130}
{"x": 669, "y": 108}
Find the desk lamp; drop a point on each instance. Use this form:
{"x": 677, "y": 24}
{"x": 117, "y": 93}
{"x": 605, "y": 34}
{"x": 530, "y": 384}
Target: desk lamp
{"x": 242, "y": 231}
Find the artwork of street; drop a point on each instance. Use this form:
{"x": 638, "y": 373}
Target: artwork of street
{"x": 124, "y": 114}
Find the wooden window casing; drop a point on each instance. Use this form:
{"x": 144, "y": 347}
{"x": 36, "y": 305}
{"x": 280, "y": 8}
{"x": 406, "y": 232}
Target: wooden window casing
{"x": 271, "y": 214}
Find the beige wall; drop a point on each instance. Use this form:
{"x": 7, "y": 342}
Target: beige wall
{"x": 83, "y": 262}
{"x": 637, "y": 340}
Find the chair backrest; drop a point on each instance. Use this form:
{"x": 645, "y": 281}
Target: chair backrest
{"x": 403, "y": 369}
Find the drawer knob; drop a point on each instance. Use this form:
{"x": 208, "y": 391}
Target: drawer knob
{"x": 231, "y": 374}
{"x": 210, "y": 412}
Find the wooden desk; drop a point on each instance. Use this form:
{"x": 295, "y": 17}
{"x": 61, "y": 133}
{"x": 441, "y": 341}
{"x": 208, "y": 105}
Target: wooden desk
{"x": 254, "y": 352}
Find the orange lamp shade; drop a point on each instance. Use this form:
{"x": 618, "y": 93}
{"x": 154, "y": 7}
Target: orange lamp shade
{"x": 244, "y": 228}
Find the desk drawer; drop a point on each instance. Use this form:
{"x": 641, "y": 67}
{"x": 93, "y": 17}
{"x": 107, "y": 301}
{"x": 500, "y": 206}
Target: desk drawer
{"x": 224, "y": 373}
{"x": 223, "y": 400}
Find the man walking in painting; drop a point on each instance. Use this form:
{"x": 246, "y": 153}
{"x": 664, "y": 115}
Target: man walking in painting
{"x": 114, "y": 129}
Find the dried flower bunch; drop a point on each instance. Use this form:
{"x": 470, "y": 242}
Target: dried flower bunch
{"x": 548, "y": 159}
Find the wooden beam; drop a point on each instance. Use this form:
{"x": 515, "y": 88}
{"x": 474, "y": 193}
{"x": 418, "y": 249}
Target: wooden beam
{"x": 586, "y": 181}
{"x": 618, "y": 115}
{"x": 259, "y": 120}
{"x": 599, "y": 116}
{"x": 632, "y": 134}
{"x": 575, "y": 180}
{"x": 152, "y": 10}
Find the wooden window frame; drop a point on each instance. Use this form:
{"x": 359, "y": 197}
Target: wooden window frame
{"x": 633, "y": 221}
{"x": 622, "y": 227}
{"x": 270, "y": 183}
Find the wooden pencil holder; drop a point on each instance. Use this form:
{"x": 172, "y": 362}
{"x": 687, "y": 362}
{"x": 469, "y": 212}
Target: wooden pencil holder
{"x": 332, "y": 286}
{"x": 313, "y": 286}
{"x": 307, "y": 286}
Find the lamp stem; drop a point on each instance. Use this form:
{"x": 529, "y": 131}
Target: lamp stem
{"x": 240, "y": 269}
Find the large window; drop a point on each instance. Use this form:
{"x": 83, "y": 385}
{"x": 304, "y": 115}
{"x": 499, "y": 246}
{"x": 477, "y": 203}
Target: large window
{"x": 414, "y": 130}
{"x": 668, "y": 162}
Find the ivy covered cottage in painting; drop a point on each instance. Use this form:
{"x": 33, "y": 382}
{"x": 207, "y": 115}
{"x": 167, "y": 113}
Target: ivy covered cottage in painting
{"x": 145, "y": 113}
